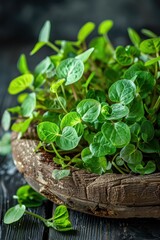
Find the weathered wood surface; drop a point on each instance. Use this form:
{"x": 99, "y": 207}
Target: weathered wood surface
{"x": 109, "y": 195}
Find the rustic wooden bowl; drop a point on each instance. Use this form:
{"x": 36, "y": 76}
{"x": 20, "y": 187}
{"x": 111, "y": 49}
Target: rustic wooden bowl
{"x": 108, "y": 195}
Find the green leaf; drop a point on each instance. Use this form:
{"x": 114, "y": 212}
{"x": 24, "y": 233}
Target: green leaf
{"x": 150, "y": 147}
{"x": 6, "y": 120}
{"x": 147, "y": 131}
{"x": 29, "y": 197}
{"x": 146, "y": 82}
{"x": 85, "y": 55}
{"x": 131, "y": 155}
{"x": 85, "y": 31}
{"x": 105, "y": 27}
{"x": 122, "y": 91}
{"x": 28, "y": 105}
{"x": 131, "y": 72}
{"x": 55, "y": 85}
{"x": 37, "y": 47}
{"x": 123, "y": 56}
{"x": 117, "y": 111}
{"x": 99, "y": 45}
{"x": 47, "y": 131}
{"x": 60, "y": 174}
{"x": 136, "y": 110}
{"x": 152, "y": 61}
{"x": 43, "y": 66}
{"x": 89, "y": 110}
{"x": 93, "y": 164}
{"x": 148, "y": 169}
{"x": 22, "y": 126}
{"x": 148, "y": 33}
{"x": 70, "y": 119}
{"x": 150, "y": 46}
{"x": 21, "y": 83}
{"x": 117, "y": 133}
{"x": 22, "y": 64}
{"x": 134, "y": 37}
{"x": 51, "y": 117}
{"x": 68, "y": 139}
{"x": 45, "y": 32}
{"x": 61, "y": 220}
{"x": 5, "y": 144}
{"x": 14, "y": 214}
{"x": 71, "y": 69}
{"x": 101, "y": 147}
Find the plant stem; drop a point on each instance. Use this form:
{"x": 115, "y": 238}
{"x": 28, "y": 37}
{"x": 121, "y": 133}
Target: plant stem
{"x": 36, "y": 216}
{"x": 113, "y": 163}
{"x": 56, "y": 152}
{"x": 61, "y": 103}
{"x": 74, "y": 92}
{"x": 51, "y": 45}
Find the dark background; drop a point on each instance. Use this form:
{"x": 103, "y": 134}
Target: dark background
{"x": 21, "y": 21}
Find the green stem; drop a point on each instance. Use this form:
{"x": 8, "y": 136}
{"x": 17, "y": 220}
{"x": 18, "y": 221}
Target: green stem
{"x": 61, "y": 103}
{"x": 56, "y": 152}
{"x": 51, "y": 45}
{"x": 113, "y": 163}
{"x": 36, "y": 216}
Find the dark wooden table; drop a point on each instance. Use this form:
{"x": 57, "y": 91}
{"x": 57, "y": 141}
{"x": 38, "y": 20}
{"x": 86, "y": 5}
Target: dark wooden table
{"x": 86, "y": 227}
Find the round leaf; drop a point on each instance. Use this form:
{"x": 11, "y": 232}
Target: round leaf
{"x": 150, "y": 46}
{"x": 70, "y": 119}
{"x": 117, "y": 133}
{"x": 71, "y": 70}
{"x": 28, "y": 105}
{"x": 68, "y": 139}
{"x": 123, "y": 57}
{"x": 89, "y": 110}
{"x": 118, "y": 111}
{"x": 105, "y": 27}
{"x": 101, "y": 147}
{"x": 20, "y": 83}
{"x": 122, "y": 91}
{"x": 47, "y": 131}
{"x": 60, "y": 174}
{"x": 93, "y": 164}
{"x": 131, "y": 155}
{"x": 14, "y": 214}
{"x": 85, "y": 31}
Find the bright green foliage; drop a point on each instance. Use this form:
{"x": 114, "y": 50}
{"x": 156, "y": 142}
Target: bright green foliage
{"x": 27, "y": 197}
{"x": 105, "y": 27}
{"x": 28, "y": 105}
{"x": 89, "y": 110}
{"x": 85, "y": 31}
{"x": 47, "y": 131}
{"x": 71, "y": 70}
{"x": 14, "y": 214}
{"x": 5, "y": 144}
{"x": 95, "y": 106}
{"x": 19, "y": 84}
{"x": 68, "y": 139}
{"x": 22, "y": 64}
{"x": 59, "y": 174}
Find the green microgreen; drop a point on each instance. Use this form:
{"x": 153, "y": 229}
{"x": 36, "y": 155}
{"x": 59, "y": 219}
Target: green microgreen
{"x": 95, "y": 106}
{"x": 27, "y": 197}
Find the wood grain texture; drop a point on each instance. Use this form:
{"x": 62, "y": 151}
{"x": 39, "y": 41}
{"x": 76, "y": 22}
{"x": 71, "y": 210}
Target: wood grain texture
{"x": 109, "y": 195}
